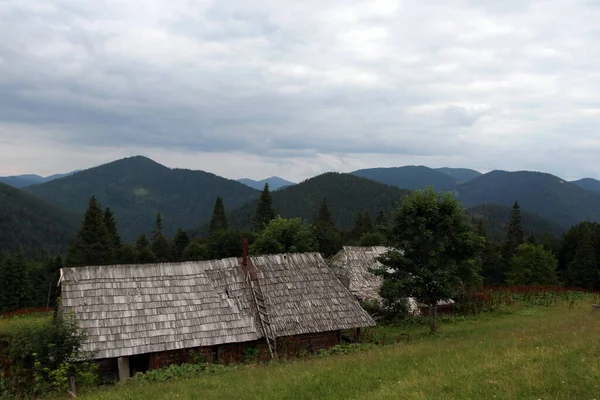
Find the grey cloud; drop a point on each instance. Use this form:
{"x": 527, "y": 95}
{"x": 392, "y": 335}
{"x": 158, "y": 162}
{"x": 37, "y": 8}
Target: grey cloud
{"x": 466, "y": 80}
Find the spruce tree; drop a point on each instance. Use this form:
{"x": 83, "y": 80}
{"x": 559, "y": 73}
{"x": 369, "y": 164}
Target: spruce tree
{"x": 324, "y": 231}
{"x": 92, "y": 244}
{"x": 515, "y": 234}
{"x": 180, "y": 243}
{"x": 265, "y": 212}
{"x": 362, "y": 224}
{"x": 111, "y": 229}
{"x": 142, "y": 249}
{"x": 583, "y": 269}
{"x": 160, "y": 244}
{"x": 218, "y": 222}
{"x": 16, "y": 293}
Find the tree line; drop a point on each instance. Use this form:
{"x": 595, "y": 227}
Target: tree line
{"x": 573, "y": 260}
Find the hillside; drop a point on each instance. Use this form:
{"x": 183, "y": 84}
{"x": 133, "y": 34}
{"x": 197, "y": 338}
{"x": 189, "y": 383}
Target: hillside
{"x": 29, "y": 224}
{"x": 21, "y": 181}
{"x": 495, "y": 218}
{"x": 409, "y": 177}
{"x": 588, "y": 184}
{"x": 346, "y": 194}
{"x": 460, "y": 175}
{"x": 546, "y": 195}
{"x": 137, "y": 188}
{"x": 275, "y": 183}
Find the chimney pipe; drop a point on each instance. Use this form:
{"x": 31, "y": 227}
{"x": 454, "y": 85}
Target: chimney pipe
{"x": 245, "y": 252}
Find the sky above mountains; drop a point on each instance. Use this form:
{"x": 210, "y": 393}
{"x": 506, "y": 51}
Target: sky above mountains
{"x": 260, "y": 88}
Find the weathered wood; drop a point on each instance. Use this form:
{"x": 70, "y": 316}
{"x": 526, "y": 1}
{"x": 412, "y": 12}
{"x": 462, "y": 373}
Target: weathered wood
{"x": 595, "y": 307}
{"x": 73, "y": 391}
{"x": 123, "y": 365}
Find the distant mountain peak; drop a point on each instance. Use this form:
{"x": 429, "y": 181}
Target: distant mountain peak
{"x": 275, "y": 183}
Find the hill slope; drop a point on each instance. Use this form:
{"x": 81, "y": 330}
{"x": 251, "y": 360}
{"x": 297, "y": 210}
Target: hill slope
{"x": 460, "y": 174}
{"x": 346, "y": 194}
{"x": 496, "y": 217}
{"x": 275, "y": 183}
{"x": 588, "y": 184}
{"x": 21, "y": 181}
{"x": 546, "y": 195}
{"x": 137, "y": 188}
{"x": 409, "y": 177}
{"x": 29, "y": 224}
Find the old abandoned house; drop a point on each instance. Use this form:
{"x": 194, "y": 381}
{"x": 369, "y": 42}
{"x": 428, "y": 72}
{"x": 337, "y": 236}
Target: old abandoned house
{"x": 146, "y": 316}
{"x": 353, "y": 264}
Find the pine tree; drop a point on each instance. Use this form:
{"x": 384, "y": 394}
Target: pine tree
{"x": 265, "y": 212}
{"x": 515, "y": 234}
{"x": 142, "y": 249}
{"x": 583, "y": 269}
{"x": 381, "y": 220}
{"x": 160, "y": 244}
{"x": 362, "y": 224}
{"x": 16, "y": 294}
{"x": 92, "y": 244}
{"x": 180, "y": 243}
{"x": 111, "y": 228}
{"x": 114, "y": 239}
{"x": 218, "y": 221}
{"x": 324, "y": 231}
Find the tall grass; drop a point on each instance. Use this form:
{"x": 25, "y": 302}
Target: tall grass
{"x": 527, "y": 352}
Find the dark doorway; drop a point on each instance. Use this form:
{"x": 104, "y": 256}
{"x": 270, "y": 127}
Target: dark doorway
{"x": 139, "y": 363}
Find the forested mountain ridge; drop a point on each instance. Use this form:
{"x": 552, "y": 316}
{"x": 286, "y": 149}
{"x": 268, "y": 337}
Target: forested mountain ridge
{"x": 29, "y": 224}
{"x": 275, "y": 183}
{"x": 548, "y": 196}
{"x": 137, "y": 188}
{"x": 460, "y": 175}
{"x": 345, "y": 195}
{"x": 409, "y": 177}
{"x": 21, "y": 181}
{"x": 588, "y": 184}
{"x": 496, "y": 217}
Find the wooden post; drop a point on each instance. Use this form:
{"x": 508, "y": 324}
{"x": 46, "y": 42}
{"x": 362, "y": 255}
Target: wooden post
{"x": 123, "y": 365}
{"x": 357, "y": 335}
{"x": 73, "y": 391}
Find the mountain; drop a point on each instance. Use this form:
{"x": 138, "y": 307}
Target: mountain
{"x": 137, "y": 188}
{"x": 29, "y": 224}
{"x": 496, "y": 217}
{"x": 409, "y": 177}
{"x": 21, "y": 181}
{"x": 588, "y": 184}
{"x": 275, "y": 183}
{"x": 546, "y": 195}
{"x": 460, "y": 175}
{"x": 345, "y": 194}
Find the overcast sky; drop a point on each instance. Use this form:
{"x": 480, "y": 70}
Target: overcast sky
{"x": 254, "y": 88}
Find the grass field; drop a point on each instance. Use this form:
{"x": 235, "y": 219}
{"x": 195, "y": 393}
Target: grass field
{"x": 528, "y": 353}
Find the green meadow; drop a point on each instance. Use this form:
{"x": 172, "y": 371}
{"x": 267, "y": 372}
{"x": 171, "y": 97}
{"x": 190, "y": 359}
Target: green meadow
{"x": 524, "y": 353}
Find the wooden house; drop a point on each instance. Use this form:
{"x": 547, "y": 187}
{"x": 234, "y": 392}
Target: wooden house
{"x": 145, "y": 316}
{"x": 353, "y": 264}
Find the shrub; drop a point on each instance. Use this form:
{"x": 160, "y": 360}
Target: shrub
{"x": 38, "y": 355}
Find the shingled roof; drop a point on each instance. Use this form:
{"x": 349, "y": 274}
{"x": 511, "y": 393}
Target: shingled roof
{"x": 351, "y": 265}
{"x": 145, "y": 308}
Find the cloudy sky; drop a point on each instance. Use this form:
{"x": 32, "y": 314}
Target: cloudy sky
{"x": 295, "y": 88}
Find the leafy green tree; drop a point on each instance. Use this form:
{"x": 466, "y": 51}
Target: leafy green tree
{"x": 143, "y": 251}
{"x": 225, "y": 244}
{"x": 265, "y": 212}
{"x": 435, "y": 250}
{"x": 195, "y": 251}
{"x": 180, "y": 243}
{"x": 92, "y": 245}
{"x": 160, "y": 244}
{"x": 285, "y": 236}
{"x": 218, "y": 221}
{"x": 532, "y": 265}
{"x": 126, "y": 254}
{"x": 373, "y": 239}
{"x": 514, "y": 234}
{"x": 324, "y": 231}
